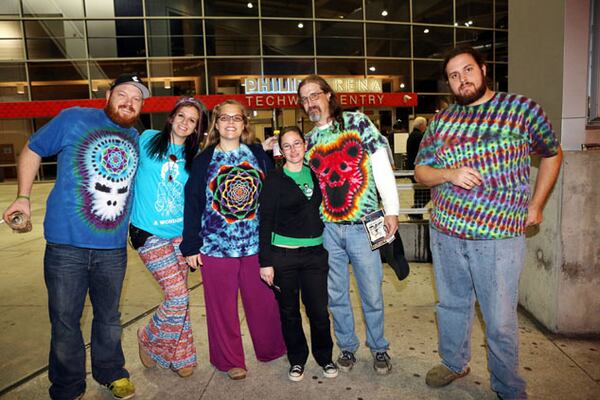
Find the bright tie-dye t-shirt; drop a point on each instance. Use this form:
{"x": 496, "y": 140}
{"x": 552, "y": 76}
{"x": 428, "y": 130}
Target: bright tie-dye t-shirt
{"x": 97, "y": 159}
{"x": 341, "y": 161}
{"x": 496, "y": 138}
{"x": 230, "y": 218}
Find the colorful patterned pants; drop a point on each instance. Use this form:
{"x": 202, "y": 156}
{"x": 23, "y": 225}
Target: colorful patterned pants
{"x": 168, "y": 336}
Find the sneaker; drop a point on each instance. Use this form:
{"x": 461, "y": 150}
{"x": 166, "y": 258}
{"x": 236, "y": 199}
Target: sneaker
{"x": 346, "y": 361}
{"x": 296, "y": 373}
{"x": 440, "y": 375}
{"x": 330, "y": 370}
{"x": 382, "y": 363}
{"x": 121, "y": 389}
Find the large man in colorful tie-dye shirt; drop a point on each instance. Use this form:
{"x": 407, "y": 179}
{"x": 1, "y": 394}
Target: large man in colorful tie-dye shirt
{"x": 349, "y": 157}
{"x": 85, "y": 227}
{"x": 475, "y": 156}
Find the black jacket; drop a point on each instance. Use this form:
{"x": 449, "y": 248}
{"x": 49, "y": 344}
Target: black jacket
{"x": 195, "y": 196}
{"x": 285, "y": 210}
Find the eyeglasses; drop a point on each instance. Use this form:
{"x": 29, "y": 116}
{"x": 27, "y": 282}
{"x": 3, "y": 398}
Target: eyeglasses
{"x": 288, "y": 147}
{"x": 312, "y": 97}
{"x": 228, "y": 118}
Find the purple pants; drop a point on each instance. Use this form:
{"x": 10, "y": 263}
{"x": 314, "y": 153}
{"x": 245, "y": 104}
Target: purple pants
{"x": 223, "y": 278}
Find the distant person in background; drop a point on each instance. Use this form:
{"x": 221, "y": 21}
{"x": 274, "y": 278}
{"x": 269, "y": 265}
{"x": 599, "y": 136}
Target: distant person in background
{"x": 421, "y": 196}
{"x": 155, "y": 230}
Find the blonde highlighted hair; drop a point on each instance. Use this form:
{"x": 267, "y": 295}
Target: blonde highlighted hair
{"x": 214, "y": 138}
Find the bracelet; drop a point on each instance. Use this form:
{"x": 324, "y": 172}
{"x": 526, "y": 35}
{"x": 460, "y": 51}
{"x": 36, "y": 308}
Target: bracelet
{"x": 22, "y": 196}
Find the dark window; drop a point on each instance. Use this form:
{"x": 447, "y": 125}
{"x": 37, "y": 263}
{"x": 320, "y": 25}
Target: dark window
{"x": 102, "y": 73}
{"x": 232, "y": 37}
{"x": 501, "y": 46}
{"x": 117, "y": 38}
{"x": 49, "y": 80}
{"x": 54, "y": 39}
{"x": 475, "y": 13}
{"x": 388, "y": 10}
{"x": 432, "y": 42}
{"x": 165, "y": 8}
{"x": 339, "y": 39}
{"x": 225, "y": 75}
{"x": 340, "y": 66}
{"x": 346, "y": 9}
{"x": 387, "y": 40}
{"x": 231, "y": 8}
{"x": 287, "y": 37}
{"x": 431, "y": 104}
{"x": 500, "y": 77}
{"x": 395, "y": 74}
{"x": 501, "y": 14}
{"x": 433, "y": 11}
{"x": 287, "y": 66}
{"x": 175, "y": 37}
{"x": 177, "y": 77}
{"x": 13, "y": 74}
{"x": 286, "y": 8}
{"x": 428, "y": 77}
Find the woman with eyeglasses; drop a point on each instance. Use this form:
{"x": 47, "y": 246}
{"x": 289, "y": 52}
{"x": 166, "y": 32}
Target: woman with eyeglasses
{"x": 220, "y": 236}
{"x": 292, "y": 256}
{"x": 155, "y": 231}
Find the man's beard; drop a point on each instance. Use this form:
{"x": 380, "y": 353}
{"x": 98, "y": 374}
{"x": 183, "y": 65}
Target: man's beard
{"x": 471, "y": 98}
{"x": 314, "y": 116}
{"x": 113, "y": 113}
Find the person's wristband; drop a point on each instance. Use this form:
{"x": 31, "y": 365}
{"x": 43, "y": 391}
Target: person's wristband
{"x": 22, "y": 196}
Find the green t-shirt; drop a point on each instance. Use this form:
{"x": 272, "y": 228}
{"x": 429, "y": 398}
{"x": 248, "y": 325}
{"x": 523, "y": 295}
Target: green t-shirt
{"x": 305, "y": 183}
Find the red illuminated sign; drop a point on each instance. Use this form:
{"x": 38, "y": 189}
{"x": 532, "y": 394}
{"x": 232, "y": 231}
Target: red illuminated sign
{"x": 38, "y": 109}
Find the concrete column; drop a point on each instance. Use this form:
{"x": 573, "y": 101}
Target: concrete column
{"x": 548, "y": 57}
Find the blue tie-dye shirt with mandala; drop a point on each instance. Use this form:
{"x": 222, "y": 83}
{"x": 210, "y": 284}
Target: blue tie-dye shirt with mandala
{"x": 230, "y": 218}
{"x": 341, "y": 160}
{"x": 97, "y": 159}
{"x": 495, "y": 138}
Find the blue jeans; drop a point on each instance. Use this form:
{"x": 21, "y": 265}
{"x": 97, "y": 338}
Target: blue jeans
{"x": 70, "y": 272}
{"x": 350, "y": 243}
{"x": 489, "y": 271}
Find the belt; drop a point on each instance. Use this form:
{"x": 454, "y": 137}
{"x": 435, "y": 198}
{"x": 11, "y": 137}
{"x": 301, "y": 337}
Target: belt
{"x": 349, "y": 222}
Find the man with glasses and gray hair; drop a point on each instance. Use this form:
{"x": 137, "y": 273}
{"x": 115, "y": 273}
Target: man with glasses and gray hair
{"x": 348, "y": 155}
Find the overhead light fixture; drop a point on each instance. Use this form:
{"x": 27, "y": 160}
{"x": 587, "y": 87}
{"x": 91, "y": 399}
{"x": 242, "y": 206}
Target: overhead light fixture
{"x": 20, "y": 89}
{"x": 250, "y": 5}
{"x": 384, "y": 13}
{"x": 426, "y": 30}
{"x": 300, "y": 25}
{"x": 470, "y": 22}
{"x": 94, "y": 86}
{"x": 372, "y": 68}
{"x": 402, "y": 86}
{"x": 167, "y": 84}
{"x": 341, "y": 16}
{"x": 456, "y": 24}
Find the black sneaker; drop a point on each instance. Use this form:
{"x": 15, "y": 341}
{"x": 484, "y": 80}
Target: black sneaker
{"x": 382, "y": 363}
{"x": 330, "y": 370}
{"x": 296, "y": 373}
{"x": 346, "y": 361}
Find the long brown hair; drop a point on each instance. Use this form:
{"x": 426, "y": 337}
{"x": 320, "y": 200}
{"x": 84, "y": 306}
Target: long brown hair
{"x": 213, "y": 136}
{"x": 335, "y": 109}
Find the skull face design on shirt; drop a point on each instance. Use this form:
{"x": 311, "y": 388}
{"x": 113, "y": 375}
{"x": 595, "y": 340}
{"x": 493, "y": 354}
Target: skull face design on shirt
{"x": 107, "y": 162}
{"x": 343, "y": 175}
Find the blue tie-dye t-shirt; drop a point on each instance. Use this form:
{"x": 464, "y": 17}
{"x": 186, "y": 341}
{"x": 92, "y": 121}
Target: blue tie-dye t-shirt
{"x": 97, "y": 160}
{"x": 230, "y": 218}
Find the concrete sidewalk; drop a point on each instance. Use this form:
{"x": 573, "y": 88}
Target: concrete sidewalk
{"x": 554, "y": 368}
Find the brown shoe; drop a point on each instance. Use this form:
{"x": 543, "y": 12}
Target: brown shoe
{"x": 185, "y": 372}
{"x": 236, "y": 373}
{"x": 440, "y": 375}
{"x": 146, "y": 360}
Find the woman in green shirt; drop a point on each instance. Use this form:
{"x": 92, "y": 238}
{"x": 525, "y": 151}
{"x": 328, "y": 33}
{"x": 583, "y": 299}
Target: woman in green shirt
{"x": 292, "y": 256}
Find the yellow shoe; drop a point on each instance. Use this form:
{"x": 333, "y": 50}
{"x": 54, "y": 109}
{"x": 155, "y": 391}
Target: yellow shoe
{"x": 121, "y": 389}
{"x": 185, "y": 372}
{"x": 236, "y": 373}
